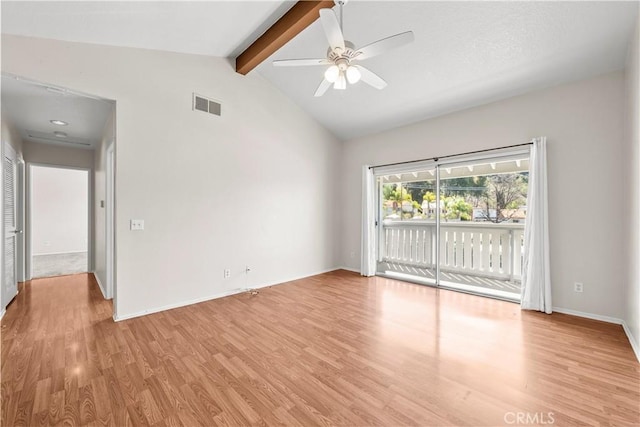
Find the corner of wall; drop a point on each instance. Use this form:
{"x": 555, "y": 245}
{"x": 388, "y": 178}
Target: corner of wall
{"x": 631, "y": 322}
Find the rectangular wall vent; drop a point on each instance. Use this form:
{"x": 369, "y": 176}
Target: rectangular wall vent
{"x": 206, "y": 105}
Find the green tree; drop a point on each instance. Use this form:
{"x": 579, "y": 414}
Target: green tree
{"x": 395, "y": 196}
{"x": 465, "y": 186}
{"x": 429, "y": 196}
{"x": 455, "y": 207}
{"x": 419, "y": 188}
{"x": 395, "y": 193}
{"x": 505, "y": 194}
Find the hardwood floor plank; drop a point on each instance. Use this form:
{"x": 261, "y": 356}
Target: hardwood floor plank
{"x": 23, "y": 415}
{"x": 87, "y": 405}
{"x": 42, "y": 395}
{"x": 56, "y": 407}
{"x": 333, "y": 349}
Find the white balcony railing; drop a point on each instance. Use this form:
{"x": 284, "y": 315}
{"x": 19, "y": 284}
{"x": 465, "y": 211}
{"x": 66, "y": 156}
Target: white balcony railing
{"x": 476, "y": 248}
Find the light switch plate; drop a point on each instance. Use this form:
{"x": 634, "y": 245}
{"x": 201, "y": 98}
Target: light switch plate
{"x": 137, "y": 224}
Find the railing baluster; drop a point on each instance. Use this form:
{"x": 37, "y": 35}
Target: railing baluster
{"x": 517, "y": 256}
{"x": 386, "y": 242}
{"x": 486, "y": 252}
{"x": 486, "y": 249}
{"x": 495, "y": 251}
{"x": 459, "y": 249}
{"x": 412, "y": 242}
{"x": 466, "y": 252}
{"x": 419, "y": 240}
{"x": 507, "y": 255}
{"x": 475, "y": 253}
{"x": 392, "y": 252}
{"x": 444, "y": 240}
{"x": 432, "y": 247}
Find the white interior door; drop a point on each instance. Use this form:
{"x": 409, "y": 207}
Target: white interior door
{"x": 9, "y": 231}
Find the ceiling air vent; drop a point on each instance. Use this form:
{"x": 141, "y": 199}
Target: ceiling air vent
{"x": 206, "y": 105}
{"x": 60, "y": 138}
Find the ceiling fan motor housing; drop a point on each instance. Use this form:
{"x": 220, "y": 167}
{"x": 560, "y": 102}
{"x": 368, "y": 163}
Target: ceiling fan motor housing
{"x": 342, "y": 58}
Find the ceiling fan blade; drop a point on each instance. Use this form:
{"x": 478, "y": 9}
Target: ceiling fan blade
{"x": 392, "y": 42}
{"x": 371, "y": 78}
{"x": 301, "y": 62}
{"x": 332, "y": 29}
{"x": 324, "y": 85}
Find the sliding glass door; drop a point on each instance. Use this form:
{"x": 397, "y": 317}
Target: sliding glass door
{"x": 457, "y": 225}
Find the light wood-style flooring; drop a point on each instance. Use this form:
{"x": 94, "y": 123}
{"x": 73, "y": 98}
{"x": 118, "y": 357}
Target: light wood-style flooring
{"x": 333, "y": 349}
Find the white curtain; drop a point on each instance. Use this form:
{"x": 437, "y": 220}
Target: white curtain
{"x": 536, "y": 277}
{"x": 368, "y": 249}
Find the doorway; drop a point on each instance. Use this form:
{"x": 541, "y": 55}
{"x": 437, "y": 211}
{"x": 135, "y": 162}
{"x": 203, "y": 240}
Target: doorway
{"x": 59, "y": 220}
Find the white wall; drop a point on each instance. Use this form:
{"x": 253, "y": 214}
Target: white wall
{"x": 59, "y": 210}
{"x": 99, "y": 242}
{"x": 583, "y": 125}
{"x": 57, "y": 155}
{"x": 10, "y": 134}
{"x": 256, "y": 187}
{"x": 632, "y": 139}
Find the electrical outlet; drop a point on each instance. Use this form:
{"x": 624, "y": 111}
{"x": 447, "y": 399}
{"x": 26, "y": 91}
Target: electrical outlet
{"x": 247, "y": 270}
{"x": 137, "y": 224}
{"x": 227, "y": 273}
{"x": 578, "y": 287}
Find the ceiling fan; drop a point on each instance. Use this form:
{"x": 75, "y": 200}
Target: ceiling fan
{"x": 342, "y": 54}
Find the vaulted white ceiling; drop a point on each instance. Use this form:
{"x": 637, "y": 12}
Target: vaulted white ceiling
{"x": 465, "y": 53}
{"x": 215, "y": 28}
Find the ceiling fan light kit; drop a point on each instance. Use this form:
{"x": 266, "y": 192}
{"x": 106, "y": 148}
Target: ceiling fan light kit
{"x": 353, "y": 74}
{"x": 341, "y": 54}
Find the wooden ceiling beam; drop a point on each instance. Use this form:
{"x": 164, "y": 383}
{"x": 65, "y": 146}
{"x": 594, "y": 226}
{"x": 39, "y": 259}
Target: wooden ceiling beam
{"x": 299, "y": 17}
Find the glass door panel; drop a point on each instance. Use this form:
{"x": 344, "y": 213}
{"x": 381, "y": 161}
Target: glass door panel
{"x": 482, "y": 210}
{"x": 407, "y": 226}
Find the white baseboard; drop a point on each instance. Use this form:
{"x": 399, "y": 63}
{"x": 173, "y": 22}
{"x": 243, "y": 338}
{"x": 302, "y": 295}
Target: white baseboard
{"x": 177, "y": 305}
{"x": 282, "y": 282}
{"x": 95, "y": 276}
{"x": 213, "y": 296}
{"x": 586, "y": 315}
{"x": 355, "y": 270}
{"x": 2, "y": 313}
{"x": 632, "y": 340}
{"x": 608, "y": 319}
{"x": 61, "y": 253}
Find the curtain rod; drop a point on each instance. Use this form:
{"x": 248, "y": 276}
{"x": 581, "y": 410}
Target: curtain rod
{"x": 435, "y": 159}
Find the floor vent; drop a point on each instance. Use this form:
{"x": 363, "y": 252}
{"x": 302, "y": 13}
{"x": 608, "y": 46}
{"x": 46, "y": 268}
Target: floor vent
{"x": 206, "y": 105}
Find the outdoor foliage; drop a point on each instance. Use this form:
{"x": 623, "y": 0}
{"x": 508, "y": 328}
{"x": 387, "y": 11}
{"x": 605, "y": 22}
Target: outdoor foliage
{"x": 505, "y": 194}
{"x": 496, "y": 198}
